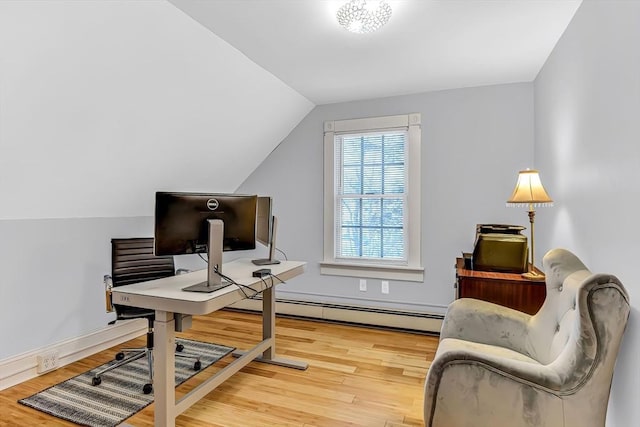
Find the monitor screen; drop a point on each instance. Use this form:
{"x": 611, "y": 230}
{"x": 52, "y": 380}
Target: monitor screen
{"x": 181, "y": 225}
{"x": 266, "y": 228}
{"x": 263, "y": 225}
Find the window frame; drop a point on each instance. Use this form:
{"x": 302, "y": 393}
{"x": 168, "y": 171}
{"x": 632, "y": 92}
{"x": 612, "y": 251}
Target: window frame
{"x": 412, "y": 270}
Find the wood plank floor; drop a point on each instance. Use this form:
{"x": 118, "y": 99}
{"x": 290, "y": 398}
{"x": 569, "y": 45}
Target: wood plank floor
{"x": 357, "y": 376}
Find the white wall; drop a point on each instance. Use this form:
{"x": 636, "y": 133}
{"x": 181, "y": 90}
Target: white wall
{"x": 474, "y": 141}
{"x": 104, "y": 102}
{"x": 101, "y": 104}
{"x": 587, "y": 105}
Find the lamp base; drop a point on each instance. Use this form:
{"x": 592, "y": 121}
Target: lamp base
{"x": 534, "y": 276}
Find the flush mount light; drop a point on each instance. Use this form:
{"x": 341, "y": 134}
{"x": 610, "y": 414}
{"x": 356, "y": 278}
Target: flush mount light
{"x": 360, "y": 16}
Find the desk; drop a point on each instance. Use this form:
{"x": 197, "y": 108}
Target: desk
{"x": 167, "y": 298}
{"x": 507, "y": 289}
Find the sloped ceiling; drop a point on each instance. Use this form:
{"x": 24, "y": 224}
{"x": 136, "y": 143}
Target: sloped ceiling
{"x": 427, "y": 45}
{"x": 103, "y": 103}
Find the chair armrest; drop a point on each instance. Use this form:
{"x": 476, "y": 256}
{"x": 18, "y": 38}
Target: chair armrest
{"x": 475, "y": 384}
{"x": 518, "y": 367}
{"x": 487, "y": 323}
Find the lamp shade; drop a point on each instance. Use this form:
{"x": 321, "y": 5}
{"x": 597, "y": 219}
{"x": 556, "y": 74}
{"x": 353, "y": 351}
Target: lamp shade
{"x": 529, "y": 191}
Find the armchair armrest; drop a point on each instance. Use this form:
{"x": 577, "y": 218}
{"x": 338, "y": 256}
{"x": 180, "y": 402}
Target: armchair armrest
{"x": 514, "y": 366}
{"x": 472, "y": 384}
{"x": 486, "y": 323}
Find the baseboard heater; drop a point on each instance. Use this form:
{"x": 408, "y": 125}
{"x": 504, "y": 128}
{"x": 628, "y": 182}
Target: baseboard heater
{"x": 365, "y": 316}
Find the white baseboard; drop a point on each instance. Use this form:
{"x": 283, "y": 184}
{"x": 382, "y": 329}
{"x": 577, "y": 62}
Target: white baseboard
{"x": 23, "y": 367}
{"x": 422, "y": 322}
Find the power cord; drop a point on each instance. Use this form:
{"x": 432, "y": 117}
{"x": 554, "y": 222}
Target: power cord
{"x": 244, "y": 287}
{"x": 233, "y": 282}
{"x": 272, "y": 276}
{"x": 267, "y": 286}
{"x": 285, "y": 255}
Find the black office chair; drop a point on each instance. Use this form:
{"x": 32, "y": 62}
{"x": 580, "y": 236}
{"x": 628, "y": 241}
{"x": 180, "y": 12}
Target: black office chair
{"x": 133, "y": 261}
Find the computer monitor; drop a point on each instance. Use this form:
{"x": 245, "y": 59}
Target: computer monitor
{"x": 263, "y": 220}
{"x": 266, "y": 230}
{"x": 187, "y": 223}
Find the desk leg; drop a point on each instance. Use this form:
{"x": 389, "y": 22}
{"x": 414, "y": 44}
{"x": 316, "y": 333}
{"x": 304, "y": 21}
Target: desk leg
{"x": 269, "y": 334}
{"x": 269, "y": 322}
{"x": 164, "y": 370}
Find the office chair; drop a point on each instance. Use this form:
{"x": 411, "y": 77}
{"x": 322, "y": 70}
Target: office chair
{"x": 133, "y": 261}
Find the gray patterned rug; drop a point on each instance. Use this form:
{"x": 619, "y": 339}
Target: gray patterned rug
{"x": 120, "y": 395}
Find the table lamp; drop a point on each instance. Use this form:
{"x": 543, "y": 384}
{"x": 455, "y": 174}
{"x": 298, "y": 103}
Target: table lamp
{"x": 530, "y": 193}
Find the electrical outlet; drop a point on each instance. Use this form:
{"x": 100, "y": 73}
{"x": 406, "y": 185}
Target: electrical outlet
{"x": 363, "y": 285}
{"x": 385, "y": 287}
{"x": 47, "y": 361}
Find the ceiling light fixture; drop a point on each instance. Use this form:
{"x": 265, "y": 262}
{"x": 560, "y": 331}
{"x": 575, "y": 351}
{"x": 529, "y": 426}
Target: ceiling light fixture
{"x": 359, "y": 17}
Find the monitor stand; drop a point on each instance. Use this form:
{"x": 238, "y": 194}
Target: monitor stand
{"x": 272, "y": 247}
{"x": 204, "y": 287}
{"x": 214, "y": 254}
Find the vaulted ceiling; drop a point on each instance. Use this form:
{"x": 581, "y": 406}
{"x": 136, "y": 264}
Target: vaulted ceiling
{"x": 427, "y": 44}
{"x": 103, "y": 103}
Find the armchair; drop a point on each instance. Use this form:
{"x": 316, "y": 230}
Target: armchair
{"x": 496, "y": 366}
{"x": 133, "y": 261}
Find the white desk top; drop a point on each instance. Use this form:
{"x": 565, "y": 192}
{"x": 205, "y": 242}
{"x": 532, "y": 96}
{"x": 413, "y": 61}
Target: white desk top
{"x": 167, "y": 295}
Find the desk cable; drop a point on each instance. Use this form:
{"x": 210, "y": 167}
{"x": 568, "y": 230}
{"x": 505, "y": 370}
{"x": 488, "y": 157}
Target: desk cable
{"x": 244, "y": 287}
{"x": 282, "y": 252}
{"x": 267, "y": 285}
{"x": 233, "y": 282}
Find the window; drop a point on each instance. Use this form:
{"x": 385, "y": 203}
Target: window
{"x": 372, "y": 198}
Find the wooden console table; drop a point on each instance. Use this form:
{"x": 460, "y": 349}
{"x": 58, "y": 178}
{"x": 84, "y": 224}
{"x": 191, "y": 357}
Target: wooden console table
{"x": 507, "y": 289}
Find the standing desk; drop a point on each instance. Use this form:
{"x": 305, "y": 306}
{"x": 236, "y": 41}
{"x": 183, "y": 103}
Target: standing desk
{"x": 171, "y": 303}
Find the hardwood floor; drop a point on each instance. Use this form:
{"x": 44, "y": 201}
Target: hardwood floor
{"x": 357, "y": 377}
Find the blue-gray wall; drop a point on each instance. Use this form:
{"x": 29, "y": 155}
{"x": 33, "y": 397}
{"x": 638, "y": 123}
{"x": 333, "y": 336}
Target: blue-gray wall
{"x": 474, "y": 141}
{"x": 51, "y": 284}
{"x": 587, "y": 146}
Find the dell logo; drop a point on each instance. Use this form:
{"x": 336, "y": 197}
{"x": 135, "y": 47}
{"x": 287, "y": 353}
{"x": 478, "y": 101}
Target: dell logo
{"x": 212, "y": 204}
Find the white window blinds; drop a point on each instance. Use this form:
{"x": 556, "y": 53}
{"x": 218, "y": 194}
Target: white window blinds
{"x": 371, "y": 199}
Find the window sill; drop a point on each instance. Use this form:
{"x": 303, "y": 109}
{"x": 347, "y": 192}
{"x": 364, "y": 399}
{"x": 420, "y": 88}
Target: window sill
{"x": 385, "y": 272}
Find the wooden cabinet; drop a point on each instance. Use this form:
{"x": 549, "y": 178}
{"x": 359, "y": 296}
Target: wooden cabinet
{"x": 507, "y": 289}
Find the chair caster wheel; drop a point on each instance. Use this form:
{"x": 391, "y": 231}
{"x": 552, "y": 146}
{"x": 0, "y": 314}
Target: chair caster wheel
{"x": 197, "y": 366}
{"x": 148, "y": 388}
{"x": 96, "y": 380}
{"x": 179, "y": 347}
{"x": 119, "y": 356}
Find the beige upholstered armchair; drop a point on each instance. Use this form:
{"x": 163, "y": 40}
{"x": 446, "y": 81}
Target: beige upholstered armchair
{"x": 499, "y": 367}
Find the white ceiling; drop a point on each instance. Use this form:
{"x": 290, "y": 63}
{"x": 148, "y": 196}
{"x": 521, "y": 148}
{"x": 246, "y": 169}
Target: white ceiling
{"x": 427, "y": 45}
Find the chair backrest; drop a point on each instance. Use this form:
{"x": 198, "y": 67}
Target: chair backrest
{"x": 133, "y": 260}
{"x": 578, "y": 330}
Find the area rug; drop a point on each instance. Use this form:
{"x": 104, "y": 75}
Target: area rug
{"x": 120, "y": 395}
